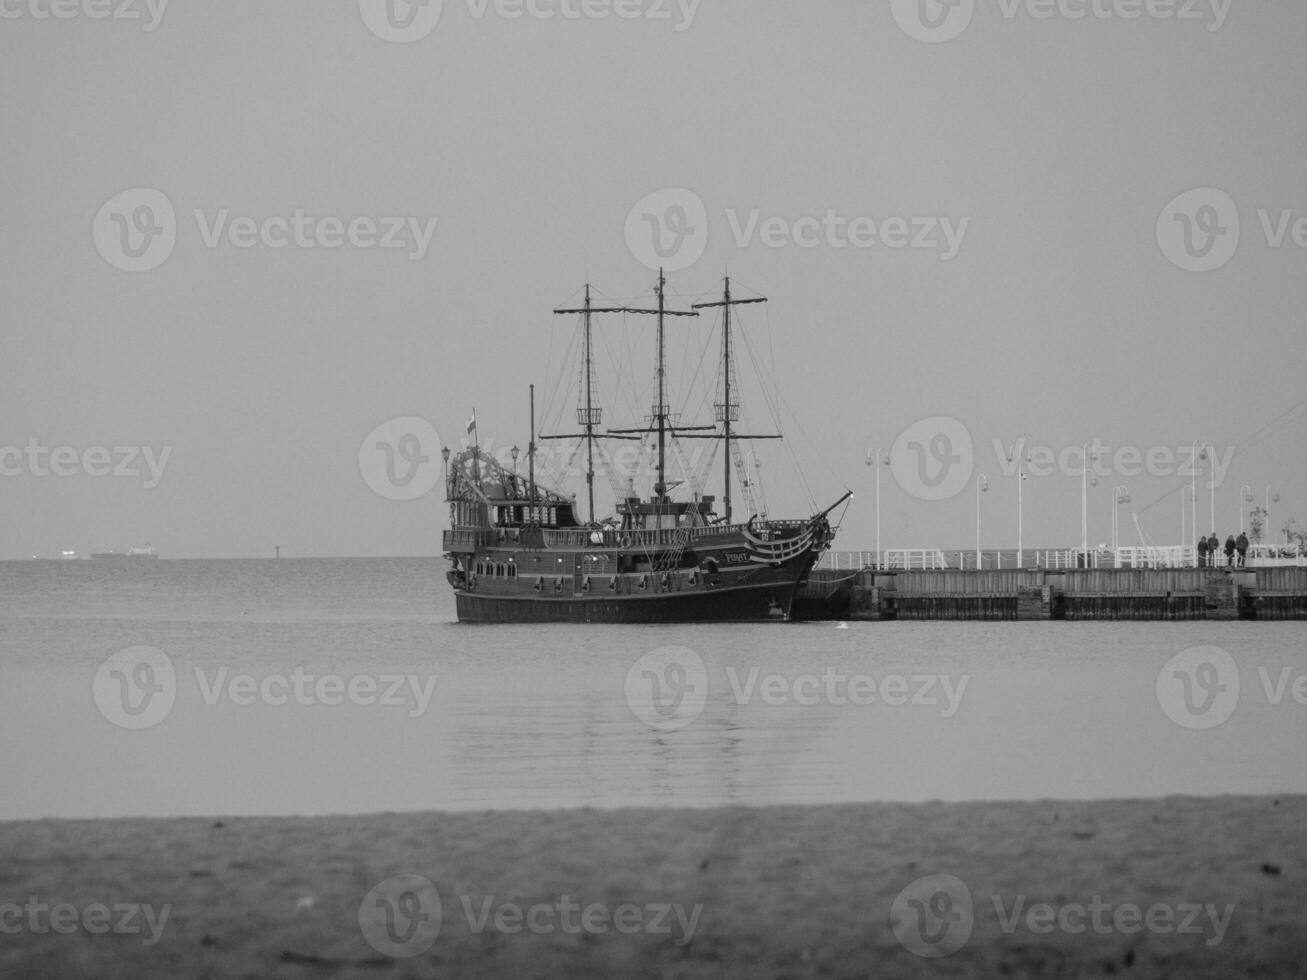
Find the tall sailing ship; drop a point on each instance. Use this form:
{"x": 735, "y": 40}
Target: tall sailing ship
{"x": 521, "y": 553}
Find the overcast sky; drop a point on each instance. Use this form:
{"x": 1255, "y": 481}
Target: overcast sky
{"x": 1052, "y": 273}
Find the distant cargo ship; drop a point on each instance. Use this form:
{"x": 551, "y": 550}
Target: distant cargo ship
{"x": 146, "y": 552}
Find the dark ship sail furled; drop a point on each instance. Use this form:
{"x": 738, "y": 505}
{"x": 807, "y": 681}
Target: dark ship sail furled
{"x": 521, "y": 553}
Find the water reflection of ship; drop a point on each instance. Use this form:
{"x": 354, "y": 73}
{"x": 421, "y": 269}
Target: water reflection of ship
{"x": 146, "y": 552}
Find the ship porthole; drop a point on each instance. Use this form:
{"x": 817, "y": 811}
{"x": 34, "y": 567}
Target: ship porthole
{"x": 539, "y": 584}
{"x": 626, "y": 541}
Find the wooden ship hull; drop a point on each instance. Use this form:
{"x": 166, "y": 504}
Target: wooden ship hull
{"x": 707, "y": 574}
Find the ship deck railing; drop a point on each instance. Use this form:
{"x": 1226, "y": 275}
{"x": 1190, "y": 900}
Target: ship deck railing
{"x": 669, "y": 537}
{"x": 468, "y": 538}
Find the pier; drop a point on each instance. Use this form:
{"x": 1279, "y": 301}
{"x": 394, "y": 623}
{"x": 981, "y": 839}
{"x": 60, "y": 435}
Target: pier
{"x": 1220, "y": 593}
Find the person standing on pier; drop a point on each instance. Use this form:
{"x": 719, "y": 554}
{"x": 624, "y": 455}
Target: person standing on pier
{"x": 1242, "y": 545}
{"x": 1229, "y": 551}
{"x": 1213, "y": 546}
{"x": 1202, "y": 552}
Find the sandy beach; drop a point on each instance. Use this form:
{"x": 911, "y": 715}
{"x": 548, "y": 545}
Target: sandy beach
{"x": 1182, "y": 887}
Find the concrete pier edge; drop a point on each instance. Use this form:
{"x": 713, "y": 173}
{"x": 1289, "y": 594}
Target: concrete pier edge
{"x": 1219, "y": 593}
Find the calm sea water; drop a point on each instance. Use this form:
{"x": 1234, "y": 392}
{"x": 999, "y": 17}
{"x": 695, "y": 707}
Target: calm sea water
{"x": 551, "y": 716}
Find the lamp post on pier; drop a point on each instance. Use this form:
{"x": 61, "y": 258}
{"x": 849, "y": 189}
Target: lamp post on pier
{"x": 1211, "y": 483}
{"x": 1192, "y": 498}
{"x": 1084, "y": 501}
{"x": 1120, "y": 495}
{"x": 1017, "y": 453}
{"x": 874, "y": 458}
{"x": 982, "y": 486}
{"x": 1194, "y": 459}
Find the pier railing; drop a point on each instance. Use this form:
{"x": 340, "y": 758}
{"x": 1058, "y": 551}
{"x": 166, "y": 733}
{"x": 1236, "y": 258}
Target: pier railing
{"x": 890, "y": 559}
{"x": 1138, "y": 557}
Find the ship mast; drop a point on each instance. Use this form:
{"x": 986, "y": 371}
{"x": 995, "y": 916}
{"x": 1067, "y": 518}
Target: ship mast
{"x": 590, "y": 417}
{"x": 589, "y": 411}
{"x": 726, "y": 398}
{"x": 660, "y": 487}
{"x": 531, "y": 448}
{"x": 728, "y": 411}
